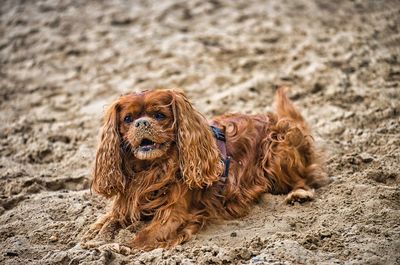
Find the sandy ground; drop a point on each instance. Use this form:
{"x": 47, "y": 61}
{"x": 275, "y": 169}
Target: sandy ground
{"x": 62, "y": 61}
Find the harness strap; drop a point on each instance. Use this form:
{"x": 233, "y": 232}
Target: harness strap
{"x": 221, "y": 143}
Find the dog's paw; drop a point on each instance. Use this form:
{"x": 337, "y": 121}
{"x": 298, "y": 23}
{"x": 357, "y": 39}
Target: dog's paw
{"x": 91, "y": 244}
{"x": 299, "y": 195}
{"x": 103, "y": 230}
{"x": 146, "y": 241}
{"x": 91, "y": 233}
{"x": 144, "y": 244}
{"x": 104, "y": 246}
{"x": 115, "y": 247}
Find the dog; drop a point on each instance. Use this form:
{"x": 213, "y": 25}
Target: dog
{"x": 170, "y": 171}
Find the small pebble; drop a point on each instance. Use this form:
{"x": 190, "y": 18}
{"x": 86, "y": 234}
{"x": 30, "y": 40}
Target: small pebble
{"x": 53, "y": 238}
{"x": 366, "y": 158}
{"x": 233, "y": 234}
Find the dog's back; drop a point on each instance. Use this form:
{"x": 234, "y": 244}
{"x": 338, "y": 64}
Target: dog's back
{"x": 272, "y": 152}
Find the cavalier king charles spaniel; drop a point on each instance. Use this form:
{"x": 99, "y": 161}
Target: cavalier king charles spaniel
{"x": 170, "y": 171}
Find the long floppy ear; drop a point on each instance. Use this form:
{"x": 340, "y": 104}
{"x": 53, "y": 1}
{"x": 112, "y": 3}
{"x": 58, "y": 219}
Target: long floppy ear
{"x": 199, "y": 158}
{"x": 108, "y": 178}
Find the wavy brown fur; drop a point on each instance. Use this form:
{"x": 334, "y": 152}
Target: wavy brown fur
{"x": 108, "y": 176}
{"x": 178, "y": 193}
{"x": 199, "y": 157}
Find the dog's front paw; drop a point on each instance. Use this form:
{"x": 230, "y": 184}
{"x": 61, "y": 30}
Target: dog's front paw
{"x": 115, "y": 247}
{"x": 90, "y": 244}
{"x": 100, "y": 232}
{"x": 299, "y": 195}
{"x": 145, "y": 241}
{"x": 91, "y": 233}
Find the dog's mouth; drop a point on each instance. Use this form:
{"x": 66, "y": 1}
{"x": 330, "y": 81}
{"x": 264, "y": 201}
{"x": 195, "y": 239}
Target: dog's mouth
{"x": 148, "y": 145}
{"x": 148, "y": 149}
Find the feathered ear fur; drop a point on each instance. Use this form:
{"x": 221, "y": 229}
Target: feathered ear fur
{"x": 199, "y": 158}
{"x": 108, "y": 178}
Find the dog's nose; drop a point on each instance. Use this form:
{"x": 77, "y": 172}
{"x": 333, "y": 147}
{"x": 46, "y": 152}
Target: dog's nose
{"x": 142, "y": 123}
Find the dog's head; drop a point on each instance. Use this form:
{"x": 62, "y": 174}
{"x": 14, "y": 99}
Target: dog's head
{"x": 152, "y": 126}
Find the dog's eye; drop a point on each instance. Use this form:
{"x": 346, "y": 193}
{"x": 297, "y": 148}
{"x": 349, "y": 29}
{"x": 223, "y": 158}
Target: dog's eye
{"x": 159, "y": 116}
{"x": 128, "y": 119}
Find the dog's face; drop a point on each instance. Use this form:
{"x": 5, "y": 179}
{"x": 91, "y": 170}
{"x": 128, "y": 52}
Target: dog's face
{"x": 146, "y": 123}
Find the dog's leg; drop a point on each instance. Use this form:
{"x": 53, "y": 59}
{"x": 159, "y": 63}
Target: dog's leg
{"x": 171, "y": 227}
{"x": 314, "y": 177}
{"x": 165, "y": 235}
{"x": 291, "y": 161}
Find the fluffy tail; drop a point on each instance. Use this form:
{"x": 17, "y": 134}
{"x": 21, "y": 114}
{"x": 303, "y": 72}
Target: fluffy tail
{"x": 296, "y": 148}
{"x": 286, "y": 109}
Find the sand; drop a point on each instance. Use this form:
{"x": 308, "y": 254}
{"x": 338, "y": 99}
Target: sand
{"x": 62, "y": 62}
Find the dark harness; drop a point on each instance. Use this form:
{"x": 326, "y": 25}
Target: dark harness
{"x": 221, "y": 143}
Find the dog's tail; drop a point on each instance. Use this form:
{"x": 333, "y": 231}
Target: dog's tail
{"x": 297, "y": 144}
{"x": 286, "y": 109}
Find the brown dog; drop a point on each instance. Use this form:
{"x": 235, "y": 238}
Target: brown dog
{"x": 171, "y": 173}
